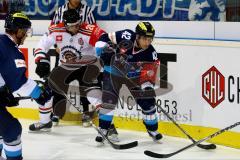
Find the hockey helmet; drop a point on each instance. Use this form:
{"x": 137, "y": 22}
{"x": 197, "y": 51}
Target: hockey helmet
{"x": 71, "y": 17}
{"x": 16, "y": 21}
{"x": 145, "y": 29}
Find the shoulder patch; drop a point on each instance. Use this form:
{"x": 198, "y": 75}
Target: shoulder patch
{"x": 20, "y": 63}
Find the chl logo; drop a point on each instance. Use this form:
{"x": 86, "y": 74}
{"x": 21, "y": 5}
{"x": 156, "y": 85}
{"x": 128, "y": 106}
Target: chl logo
{"x": 213, "y": 87}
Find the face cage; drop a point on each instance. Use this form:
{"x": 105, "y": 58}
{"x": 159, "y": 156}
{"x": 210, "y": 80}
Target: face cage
{"x": 29, "y": 31}
{"x": 67, "y": 25}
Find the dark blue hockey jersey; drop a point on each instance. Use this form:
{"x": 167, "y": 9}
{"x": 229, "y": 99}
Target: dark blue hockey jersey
{"x": 121, "y": 38}
{"x": 13, "y": 68}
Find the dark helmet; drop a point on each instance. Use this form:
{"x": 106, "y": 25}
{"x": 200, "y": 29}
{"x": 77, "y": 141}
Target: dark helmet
{"x": 71, "y": 16}
{"x": 145, "y": 29}
{"x": 16, "y": 21}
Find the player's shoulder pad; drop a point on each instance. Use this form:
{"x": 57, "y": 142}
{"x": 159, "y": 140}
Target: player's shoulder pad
{"x": 57, "y": 28}
{"x": 93, "y": 31}
{"x": 87, "y": 29}
{"x": 125, "y": 34}
{"x": 129, "y": 30}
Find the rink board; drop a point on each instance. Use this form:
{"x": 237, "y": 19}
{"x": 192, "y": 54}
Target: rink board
{"x": 203, "y": 98}
{"x": 231, "y": 139}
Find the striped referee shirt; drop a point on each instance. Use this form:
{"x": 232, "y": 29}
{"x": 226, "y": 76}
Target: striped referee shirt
{"x": 85, "y": 12}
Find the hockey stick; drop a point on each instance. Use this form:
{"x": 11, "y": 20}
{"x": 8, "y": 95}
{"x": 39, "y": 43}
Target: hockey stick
{"x": 22, "y": 98}
{"x": 115, "y": 146}
{"x": 83, "y": 61}
{"x": 207, "y": 146}
{"x": 203, "y": 146}
{"x": 157, "y": 155}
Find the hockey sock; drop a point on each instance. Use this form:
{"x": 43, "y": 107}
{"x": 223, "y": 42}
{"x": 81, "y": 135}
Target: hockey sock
{"x": 105, "y": 118}
{"x": 13, "y": 150}
{"x": 151, "y": 122}
{"x": 45, "y": 112}
{"x": 45, "y": 116}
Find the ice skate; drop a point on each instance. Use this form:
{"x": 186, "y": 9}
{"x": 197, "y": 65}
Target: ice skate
{"x": 113, "y": 134}
{"x": 86, "y": 120}
{"x": 55, "y": 120}
{"x": 99, "y": 139}
{"x": 156, "y": 136}
{"x": 35, "y": 127}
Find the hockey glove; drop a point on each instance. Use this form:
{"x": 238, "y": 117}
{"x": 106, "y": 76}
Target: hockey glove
{"x": 45, "y": 95}
{"x": 149, "y": 72}
{"x": 6, "y": 98}
{"x": 43, "y": 67}
{"x": 107, "y": 54}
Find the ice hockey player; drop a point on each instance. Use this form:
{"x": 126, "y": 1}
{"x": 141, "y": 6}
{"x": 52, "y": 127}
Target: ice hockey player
{"x": 68, "y": 37}
{"x": 13, "y": 82}
{"x": 137, "y": 49}
{"x": 86, "y": 16}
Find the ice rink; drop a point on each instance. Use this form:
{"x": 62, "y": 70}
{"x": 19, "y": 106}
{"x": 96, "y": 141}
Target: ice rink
{"x": 73, "y": 142}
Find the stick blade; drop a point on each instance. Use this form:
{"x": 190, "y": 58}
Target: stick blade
{"x": 127, "y": 146}
{"x": 116, "y": 146}
{"x": 156, "y": 155}
{"x": 207, "y": 146}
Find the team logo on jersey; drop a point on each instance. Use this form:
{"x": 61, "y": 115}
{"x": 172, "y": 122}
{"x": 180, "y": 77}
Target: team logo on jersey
{"x": 72, "y": 49}
{"x": 20, "y": 63}
{"x": 80, "y": 41}
{"x": 59, "y": 38}
{"x": 213, "y": 87}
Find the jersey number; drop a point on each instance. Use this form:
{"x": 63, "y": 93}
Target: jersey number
{"x": 154, "y": 54}
{"x": 90, "y": 27}
{"x": 126, "y": 35}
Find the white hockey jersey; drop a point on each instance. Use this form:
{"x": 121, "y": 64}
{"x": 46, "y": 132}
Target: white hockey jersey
{"x": 80, "y": 44}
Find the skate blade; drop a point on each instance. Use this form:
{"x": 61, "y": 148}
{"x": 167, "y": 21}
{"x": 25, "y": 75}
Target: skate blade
{"x": 45, "y": 130}
{"x": 86, "y": 124}
{"x": 114, "y": 139}
{"x": 156, "y": 141}
{"x": 55, "y": 124}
